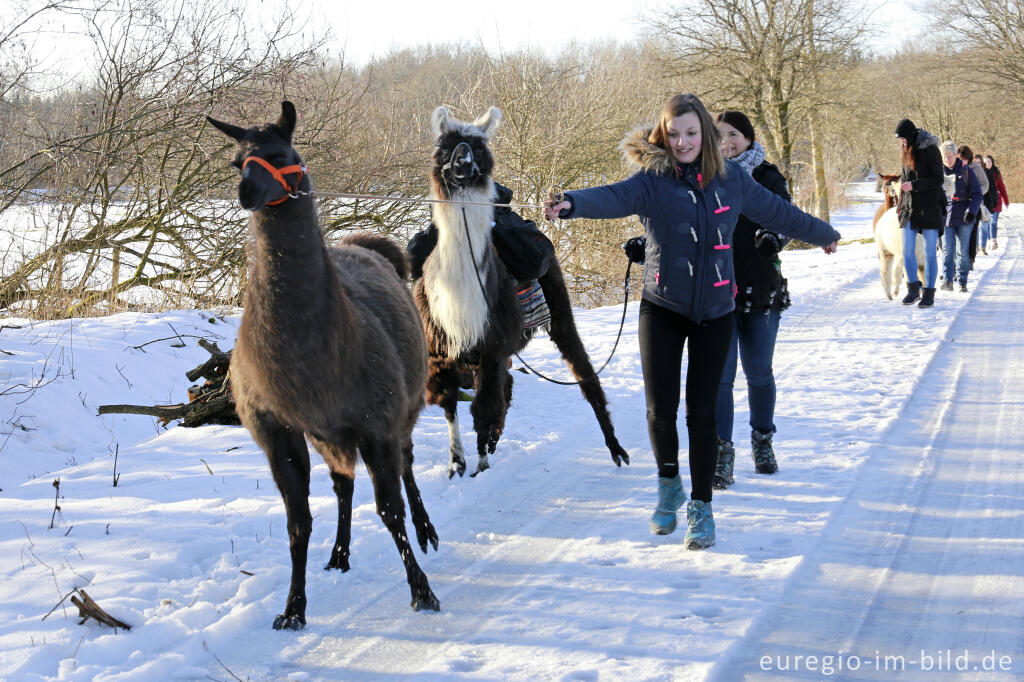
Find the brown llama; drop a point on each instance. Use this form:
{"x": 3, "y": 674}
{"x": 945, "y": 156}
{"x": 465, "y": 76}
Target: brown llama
{"x": 482, "y": 326}
{"x": 331, "y": 349}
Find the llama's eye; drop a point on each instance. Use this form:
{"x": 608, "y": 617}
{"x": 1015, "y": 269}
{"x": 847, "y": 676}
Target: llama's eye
{"x": 236, "y": 164}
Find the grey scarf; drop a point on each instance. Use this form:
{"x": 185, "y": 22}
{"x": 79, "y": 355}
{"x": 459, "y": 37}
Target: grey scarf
{"x": 751, "y": 159}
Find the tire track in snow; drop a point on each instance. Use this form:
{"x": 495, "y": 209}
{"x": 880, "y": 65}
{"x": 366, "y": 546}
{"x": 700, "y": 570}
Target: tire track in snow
{"x": 923, "y": 556}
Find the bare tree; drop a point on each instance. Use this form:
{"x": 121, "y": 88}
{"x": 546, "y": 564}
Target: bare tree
{"x": 771, "y": 58}
{"x": 996, "y": 29}
{"x": 124, "y": 161}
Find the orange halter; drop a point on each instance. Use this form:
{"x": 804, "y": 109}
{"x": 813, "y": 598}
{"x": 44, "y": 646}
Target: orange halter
{"x": 278, "y": 174}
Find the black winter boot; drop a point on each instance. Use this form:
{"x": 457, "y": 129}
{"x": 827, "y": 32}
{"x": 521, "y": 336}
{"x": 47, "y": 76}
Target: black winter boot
{"x": 726, "y": 460}
{"x": 927, "y": 298}
{"x": 913, "y": 292}
{"x": 764, "y": 455}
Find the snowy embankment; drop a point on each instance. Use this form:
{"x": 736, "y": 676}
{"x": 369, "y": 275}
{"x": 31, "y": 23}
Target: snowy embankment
{"x": 546, "y": 568}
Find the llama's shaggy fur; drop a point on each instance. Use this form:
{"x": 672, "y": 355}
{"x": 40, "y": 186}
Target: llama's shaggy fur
{"x": 479, "y": 322}
{"x": 331, "y": 349}
{"x": 456, "y": 301}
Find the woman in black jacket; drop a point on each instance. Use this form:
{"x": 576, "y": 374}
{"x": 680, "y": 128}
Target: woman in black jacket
{"x": 922, "y": 207}
{"x": 760, "y": 299}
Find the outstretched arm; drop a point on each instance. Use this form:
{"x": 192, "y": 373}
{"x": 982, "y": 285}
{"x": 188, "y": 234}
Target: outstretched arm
{"x": 616, "y": 200}
{"x": 770, "y": 211}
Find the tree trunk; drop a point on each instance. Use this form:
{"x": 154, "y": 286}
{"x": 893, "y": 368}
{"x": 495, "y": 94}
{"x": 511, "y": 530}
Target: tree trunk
{"x": 817, "y": 158}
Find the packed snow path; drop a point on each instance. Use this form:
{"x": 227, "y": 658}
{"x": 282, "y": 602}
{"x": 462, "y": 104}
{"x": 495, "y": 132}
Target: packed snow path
{"x": 894, "y": 524}
{"x": 919, "y": 572}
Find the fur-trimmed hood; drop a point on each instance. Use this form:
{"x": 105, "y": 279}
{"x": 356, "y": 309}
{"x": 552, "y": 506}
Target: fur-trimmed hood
{"x": 925, "y": 139}
{"x": 641, "y": 155}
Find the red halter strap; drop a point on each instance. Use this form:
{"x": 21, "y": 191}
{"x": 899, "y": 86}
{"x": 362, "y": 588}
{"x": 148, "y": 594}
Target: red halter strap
{"x": 278, "y": 174}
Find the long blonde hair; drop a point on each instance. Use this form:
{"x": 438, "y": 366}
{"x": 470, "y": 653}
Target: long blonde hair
{"x": 710, "y": 159}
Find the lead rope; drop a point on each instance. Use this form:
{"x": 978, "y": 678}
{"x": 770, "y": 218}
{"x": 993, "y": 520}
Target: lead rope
{"x": 483, "y": 290}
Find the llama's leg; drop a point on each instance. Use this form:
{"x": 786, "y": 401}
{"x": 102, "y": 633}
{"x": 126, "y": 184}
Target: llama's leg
{"x": 341, "y": 459}
{"x": 420, "y": 521}
{"x": 489, "y": 407}
{"x": 383, "y": 460}
{"x": 885, "y": 265}
{"x": 902, "y": 278}
{"x": 567, "y": 339}
{"x": 289, "y": 463}
{"x": 443, "y": 382}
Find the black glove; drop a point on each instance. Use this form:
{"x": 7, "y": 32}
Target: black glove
{"x": 636, "y": 249}
{"x": 969, "y": 218}
{"x": 767, "y": 243}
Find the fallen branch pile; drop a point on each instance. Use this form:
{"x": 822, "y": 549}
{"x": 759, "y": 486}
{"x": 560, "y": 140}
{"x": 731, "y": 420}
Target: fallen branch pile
{"x": 209, "y": 403}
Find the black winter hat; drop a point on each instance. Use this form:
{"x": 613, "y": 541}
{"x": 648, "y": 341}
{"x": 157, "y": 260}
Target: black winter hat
{"x": 906, "y": 129}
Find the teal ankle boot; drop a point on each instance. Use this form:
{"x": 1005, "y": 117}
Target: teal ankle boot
{"x": 670, "y": 498}
{"x": 700, "y": 525}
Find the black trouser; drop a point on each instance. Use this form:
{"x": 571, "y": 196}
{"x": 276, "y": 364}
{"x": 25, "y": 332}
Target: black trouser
{"x": 973, "y": 241}
{"x": 662, "y": 334}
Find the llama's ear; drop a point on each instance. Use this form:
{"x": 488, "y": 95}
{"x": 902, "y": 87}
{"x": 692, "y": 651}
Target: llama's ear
{"x": 439, "y": 121}
{"x": 286, "y": 122}
{"x": 232, "y": 131}
{"x": 488, "y": 123}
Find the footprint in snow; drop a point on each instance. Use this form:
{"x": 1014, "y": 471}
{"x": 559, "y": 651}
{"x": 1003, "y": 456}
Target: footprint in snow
{"x": 464, "y": 665}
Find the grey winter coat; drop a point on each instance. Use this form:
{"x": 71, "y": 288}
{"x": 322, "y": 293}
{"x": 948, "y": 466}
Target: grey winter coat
{"x": 979, "y": 172}
{"x": 689, "y": 261}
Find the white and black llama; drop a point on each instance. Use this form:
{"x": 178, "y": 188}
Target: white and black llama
{"x": 330, "y": 348}
{"x": 468, "y": 300}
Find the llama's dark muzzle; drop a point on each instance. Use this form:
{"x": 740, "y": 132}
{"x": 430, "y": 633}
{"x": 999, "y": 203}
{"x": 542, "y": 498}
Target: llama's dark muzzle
{"x": 251, "y": 195}
{"x": 462, "y": 167}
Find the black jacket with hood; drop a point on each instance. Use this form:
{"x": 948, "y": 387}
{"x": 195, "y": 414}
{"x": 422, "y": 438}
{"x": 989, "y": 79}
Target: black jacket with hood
{"x": 924, "y": 206}
{"x": 759, "y": 281}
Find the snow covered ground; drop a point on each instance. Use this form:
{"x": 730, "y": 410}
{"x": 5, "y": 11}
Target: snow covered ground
{"x": 889, "y": 546}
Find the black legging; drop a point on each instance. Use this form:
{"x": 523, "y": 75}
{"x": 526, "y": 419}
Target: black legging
{"x": 662, "y": 334}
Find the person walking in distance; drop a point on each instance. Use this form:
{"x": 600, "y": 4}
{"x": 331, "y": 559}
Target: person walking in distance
{"x": 988, "y": 201}
{"x": 1002, "y": 198}
{"x": 922, "y": 207}
{"x": 965, "y": 153}
{"x": 964, "y": 204}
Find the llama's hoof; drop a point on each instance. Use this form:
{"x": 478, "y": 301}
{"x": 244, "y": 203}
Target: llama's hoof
{"x": 457, "y": 466}
{"x": 425, "y": 601}
{"x": 294, "y": 622}
{"x": 426, "y": 534}
{"x": 481, "y": 465}
{"x": 619, "y": 454}
{"x": 338, "y": 561}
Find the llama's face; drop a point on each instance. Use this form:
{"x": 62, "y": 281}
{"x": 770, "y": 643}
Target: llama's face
{"x": 265, "y": 158}
{"x": 891, "y": 187}
{"x": 462, "y": 159}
